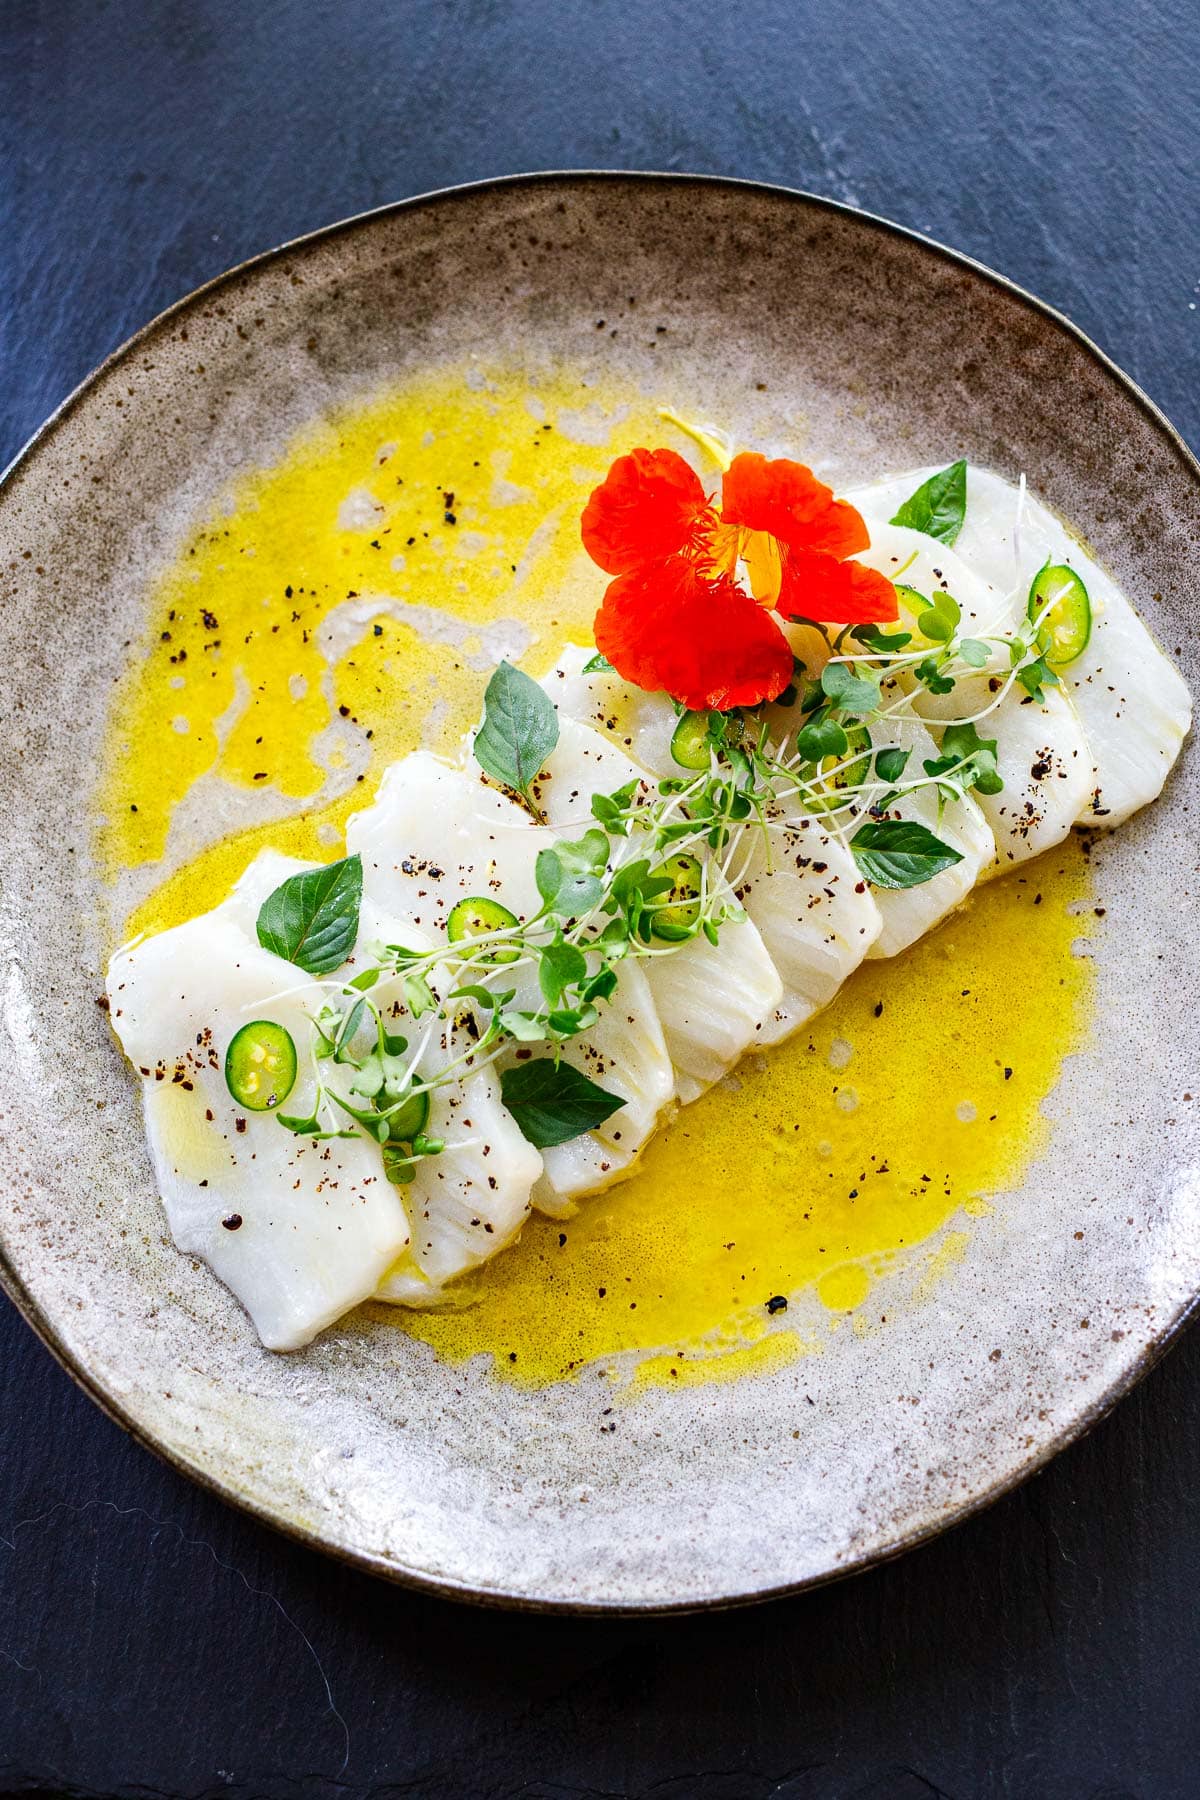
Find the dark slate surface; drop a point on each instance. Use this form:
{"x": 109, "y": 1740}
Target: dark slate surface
{"x": 152, "y": 1642}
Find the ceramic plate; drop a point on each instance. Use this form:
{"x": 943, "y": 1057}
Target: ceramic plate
{"x": 802, "y": 322}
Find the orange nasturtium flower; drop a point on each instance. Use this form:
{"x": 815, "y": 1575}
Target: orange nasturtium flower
{"x": 690, "y": 609}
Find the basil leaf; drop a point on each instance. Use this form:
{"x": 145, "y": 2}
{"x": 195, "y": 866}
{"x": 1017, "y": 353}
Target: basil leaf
{"x": 598, "y": 665}
{"x": 939, "y": 505}
{"x": 519, "y": 730}
{"x": 898, "y": 853}
{"x": 889, "y": 763}
{"x": 312, "y": 919}
{"x": 553, "y": 1103}
{"x": 848, "y": 691}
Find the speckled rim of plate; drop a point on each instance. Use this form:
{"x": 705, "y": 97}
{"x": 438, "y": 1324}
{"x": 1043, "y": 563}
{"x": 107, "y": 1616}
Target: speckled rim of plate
{"x": 10, "y": 1279}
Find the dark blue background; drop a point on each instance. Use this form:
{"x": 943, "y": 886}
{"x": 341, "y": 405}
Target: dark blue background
{"x": 151, "y": 1640}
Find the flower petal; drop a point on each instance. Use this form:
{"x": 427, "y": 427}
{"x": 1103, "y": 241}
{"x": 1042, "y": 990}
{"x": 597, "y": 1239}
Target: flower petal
{"x": 650, "y": 504}
{"x": 787, "y": 500}
{"x": 706, "y": 642}
{"x": 836, "y": 593}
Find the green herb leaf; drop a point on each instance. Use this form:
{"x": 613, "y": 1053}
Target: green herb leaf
{"x": 418, "y": 995}
{"x": 548, "y": 873}
{"x": 368, "y": 1078}
{"x": 939, "y": 505}
{"x": 482, "y": 996}
{"x": 930, "y": 676}
{"x": 885, "y": 643}
{"x": 553, "y": 1103}
{"x": 963, "y": 742}
{"x": 569, "y": 1021}
{"x": 610, "y": 809}
{"x": 311, "y": 1126}
{"x": 889, "y": 763}
{"x": 898, "y": 853}
{"x": 972, "y": 758}
{"x": 570, "y": 876}
{"x": 372, "y": 1123}
{"x": 326, "y": 1025}
{"x": 974, "y": 652}
{"x": 941, "y": 618}
{"x": 312, "y": 919}
{"x": 599, "y": 986}
{"x": 821, "y": 738}
{"x": 342, "y": 1051}
{"x": 1035, "y": 677}
{"x": 526, "y": 1027}
{"x": 597, "y": 665}
{"x": 627, "y": 881}
{"x": 559, "y": 967}
{"x": 615, "y": 939}
{"x": 588, "y": 853}
{"x": 397, "y": 1076}
{"x": 846, "y": 690}
{"x": 519, "y": 730}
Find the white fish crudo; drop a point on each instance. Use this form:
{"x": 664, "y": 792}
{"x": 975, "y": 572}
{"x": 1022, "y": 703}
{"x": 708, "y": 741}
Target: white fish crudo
{"x": 359, "y": 1078}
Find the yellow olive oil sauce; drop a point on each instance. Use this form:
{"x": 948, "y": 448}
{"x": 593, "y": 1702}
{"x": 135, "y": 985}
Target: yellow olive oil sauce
{"x": 345, "y": 606}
